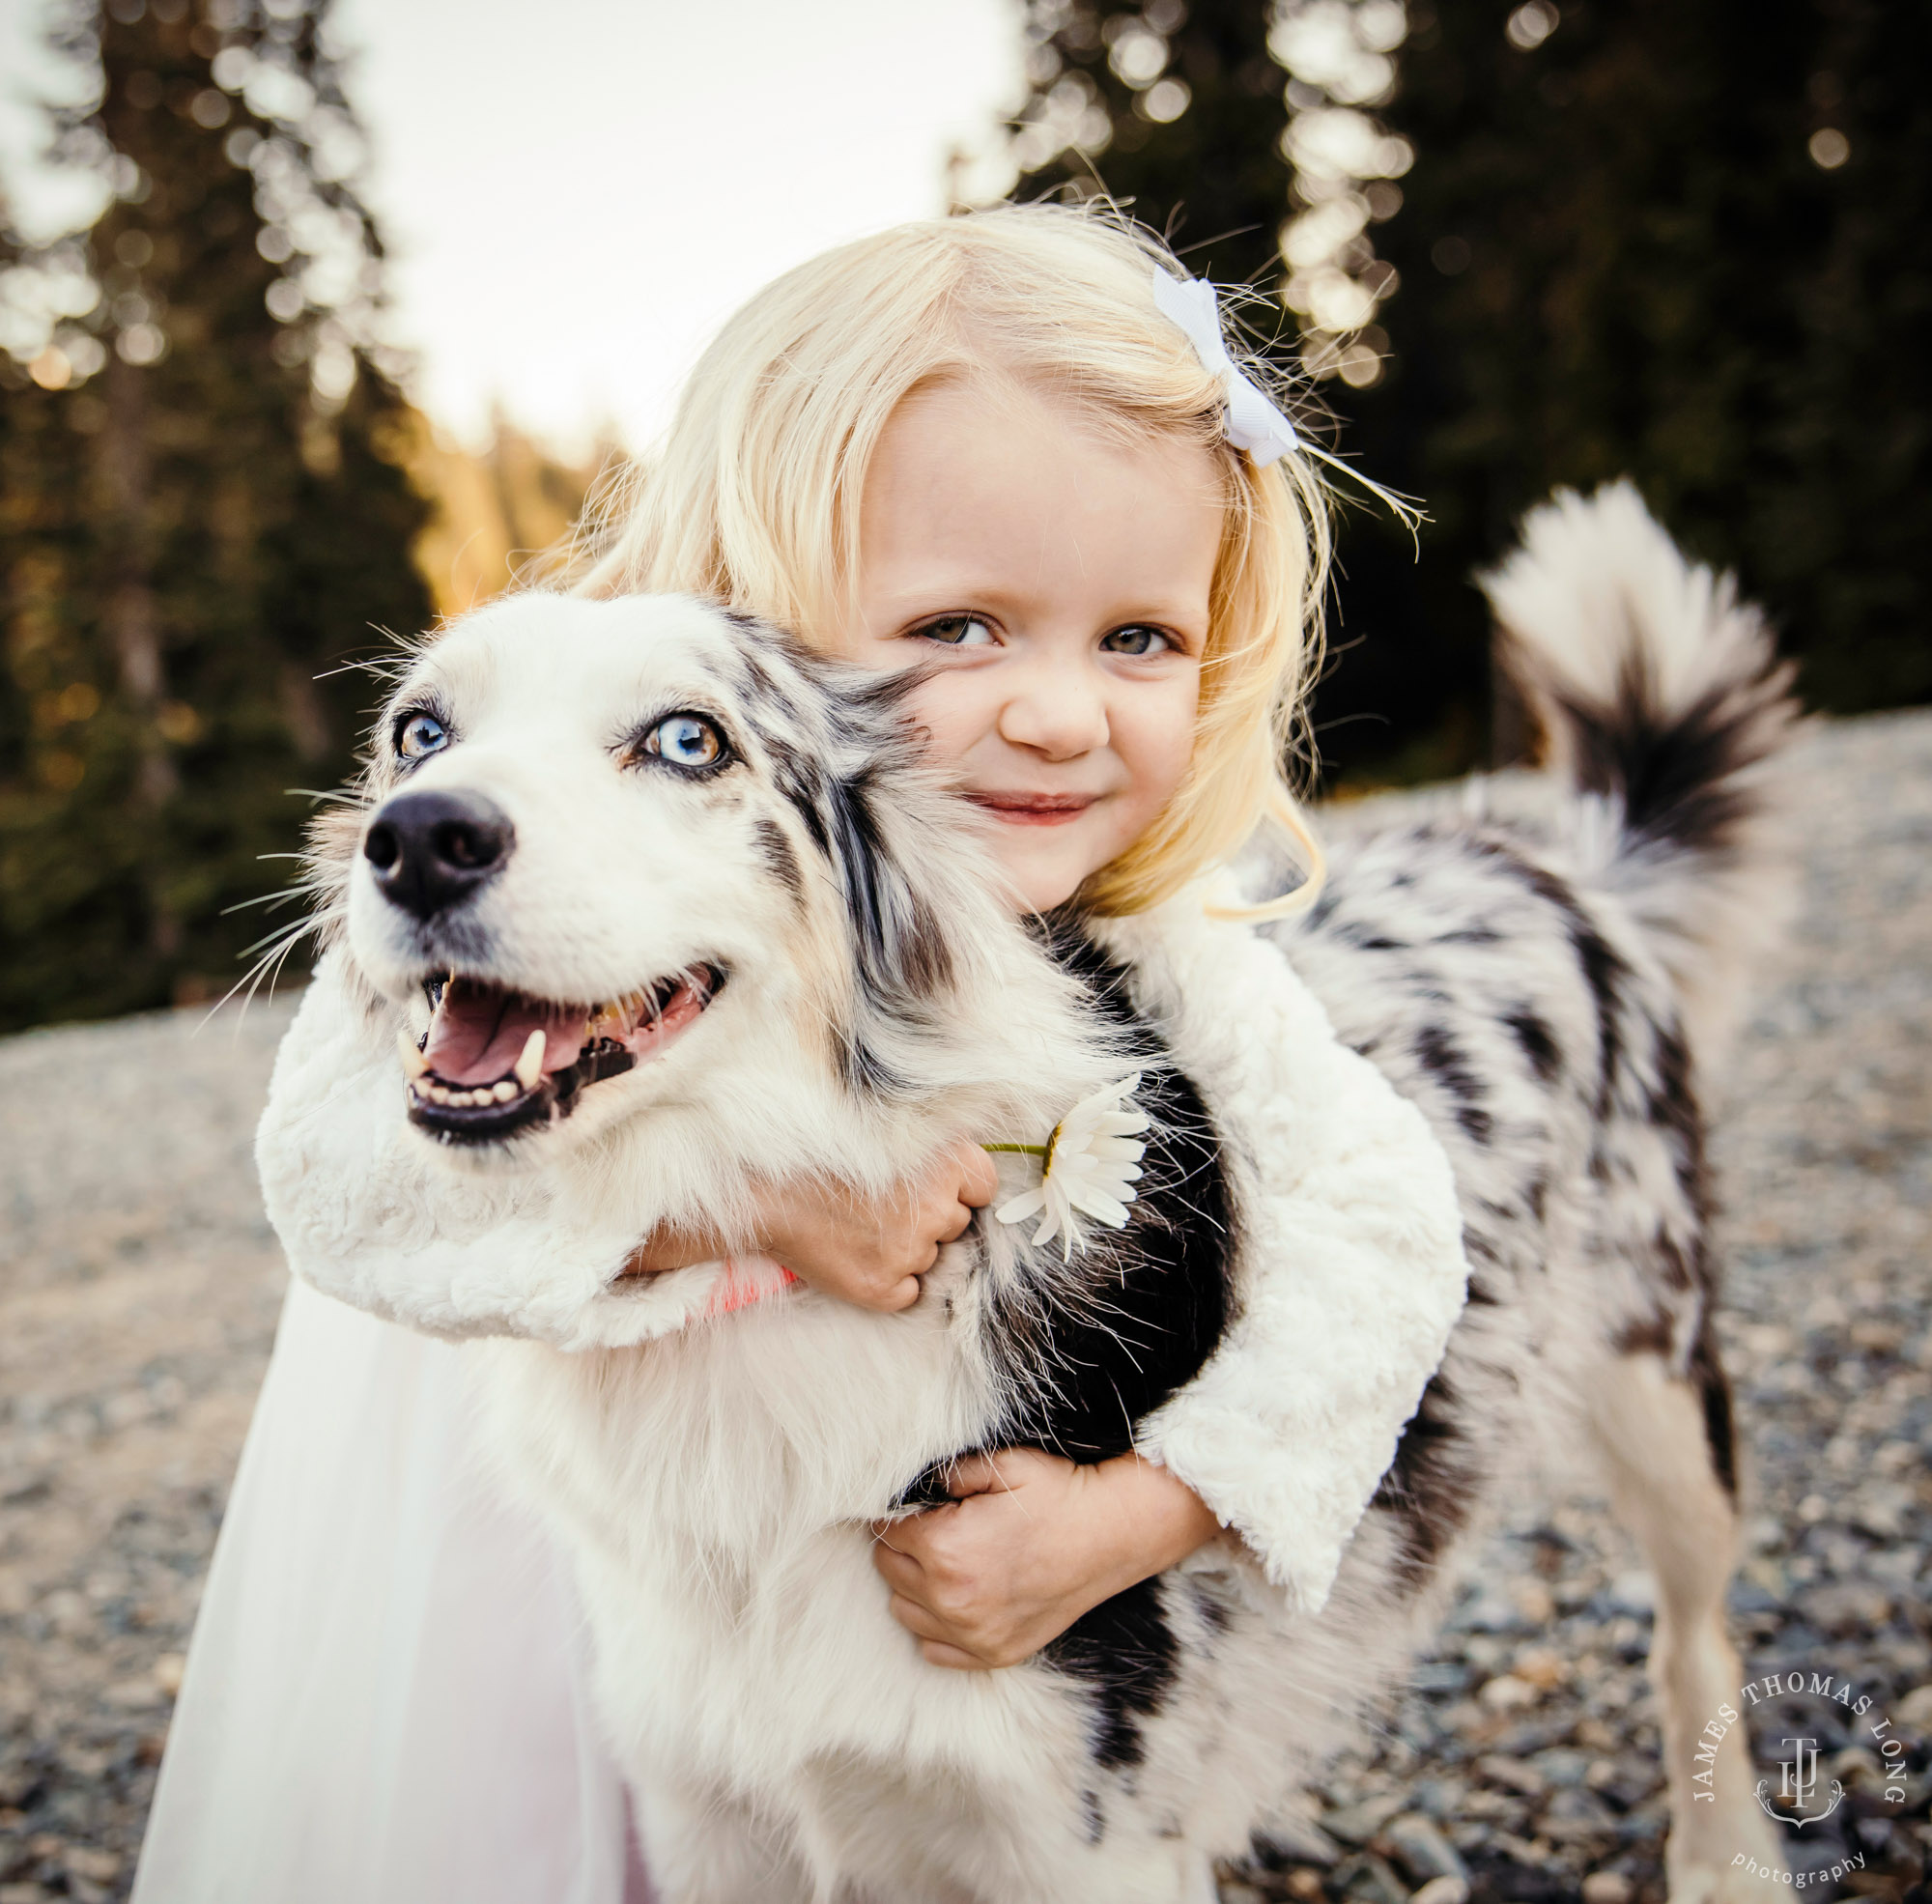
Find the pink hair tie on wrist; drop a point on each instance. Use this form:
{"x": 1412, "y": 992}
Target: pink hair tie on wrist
{"x": 748, "y": 1279}
{"x": 1254, "y": 422}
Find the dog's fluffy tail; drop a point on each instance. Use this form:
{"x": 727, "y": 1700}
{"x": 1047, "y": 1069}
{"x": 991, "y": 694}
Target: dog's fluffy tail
{"x": 1660, "y": 697}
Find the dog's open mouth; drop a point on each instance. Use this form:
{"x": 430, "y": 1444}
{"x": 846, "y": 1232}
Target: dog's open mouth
{"x": 496, "y": 1061}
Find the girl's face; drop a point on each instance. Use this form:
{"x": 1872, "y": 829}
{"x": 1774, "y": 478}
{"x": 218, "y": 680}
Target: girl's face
{"x": 1061, "y": 584}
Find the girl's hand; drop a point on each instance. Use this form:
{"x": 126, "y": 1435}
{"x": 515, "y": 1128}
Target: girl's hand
{"x": 1029, "y": 1544}
{"x": 864, "y": 1252}
{"x": 870, "y": 1253}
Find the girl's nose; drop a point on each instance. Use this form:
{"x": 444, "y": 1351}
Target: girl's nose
{"x": 1060, "y": 712}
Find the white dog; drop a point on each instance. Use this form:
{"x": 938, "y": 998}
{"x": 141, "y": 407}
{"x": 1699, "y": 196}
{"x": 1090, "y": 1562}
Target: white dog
{"x": 659, "y": 901}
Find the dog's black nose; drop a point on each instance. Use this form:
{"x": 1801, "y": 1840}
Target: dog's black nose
{"x": 429, "y": 850}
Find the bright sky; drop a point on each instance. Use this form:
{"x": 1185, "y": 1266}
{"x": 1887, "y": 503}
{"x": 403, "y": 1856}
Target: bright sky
{"x": 576, "y": 193}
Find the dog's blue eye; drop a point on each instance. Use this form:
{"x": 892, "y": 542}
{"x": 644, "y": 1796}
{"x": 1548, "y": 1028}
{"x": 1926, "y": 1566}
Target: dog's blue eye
{"x": 686, "y": 740}
{"x": 419, "y": 734}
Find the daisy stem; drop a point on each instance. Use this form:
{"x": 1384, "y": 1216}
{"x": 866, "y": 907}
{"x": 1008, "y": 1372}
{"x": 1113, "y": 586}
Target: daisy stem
{"x": 1029, "y": 1150}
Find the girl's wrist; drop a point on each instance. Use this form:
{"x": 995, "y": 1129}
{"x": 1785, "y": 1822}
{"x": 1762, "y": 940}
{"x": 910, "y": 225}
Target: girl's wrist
{"x": 1146, "y": 1520}
{"x": 670, "y": 1247}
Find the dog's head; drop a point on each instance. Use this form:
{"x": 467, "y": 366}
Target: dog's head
{"x": 612, "y": 848}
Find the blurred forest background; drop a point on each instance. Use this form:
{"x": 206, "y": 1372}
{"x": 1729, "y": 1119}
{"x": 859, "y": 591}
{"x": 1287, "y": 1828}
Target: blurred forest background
{"x": 1501, "y": 248}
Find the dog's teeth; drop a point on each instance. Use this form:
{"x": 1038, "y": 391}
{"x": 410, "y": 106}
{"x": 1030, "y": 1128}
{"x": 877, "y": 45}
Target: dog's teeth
{"x": 504, "y": 1092}
{"x": 414, "y": 1064}
{"x": 529, "y": 1066}
{"x": 441, "y": 1094}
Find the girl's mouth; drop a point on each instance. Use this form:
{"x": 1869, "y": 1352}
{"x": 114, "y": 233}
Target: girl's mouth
{"x": 1035, "y": 808}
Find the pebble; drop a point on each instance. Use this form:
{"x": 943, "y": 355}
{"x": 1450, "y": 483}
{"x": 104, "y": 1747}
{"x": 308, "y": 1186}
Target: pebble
{"x": 1506, "y": 1692}
{"x": 139, "y": 1286}
{"x": 1357, "y": 1824}
{"x": 1368, "y": 1880}
{"x": 1418, "y": 1846}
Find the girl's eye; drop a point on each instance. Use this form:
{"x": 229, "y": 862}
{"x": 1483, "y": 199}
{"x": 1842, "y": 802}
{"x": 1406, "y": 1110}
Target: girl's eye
{"x": 957, "y": 631}
{"x": 1139, "y": 640}
{"x": 420, "y": 734}
{"x": 686, "y": 740}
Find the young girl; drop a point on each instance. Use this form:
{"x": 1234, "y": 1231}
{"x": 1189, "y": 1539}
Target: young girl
{"x": 1004, "y": 447}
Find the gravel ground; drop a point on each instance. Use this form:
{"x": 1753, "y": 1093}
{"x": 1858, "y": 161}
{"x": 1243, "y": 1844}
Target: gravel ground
{"x": 139, "y": 1285}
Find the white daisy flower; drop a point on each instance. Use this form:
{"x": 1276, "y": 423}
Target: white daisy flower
{"x": 1088, "y": 1167}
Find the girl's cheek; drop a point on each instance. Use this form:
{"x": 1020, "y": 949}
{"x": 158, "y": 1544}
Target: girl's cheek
{"x": 1155, "y": 733}
{"x": 953, "y": 711}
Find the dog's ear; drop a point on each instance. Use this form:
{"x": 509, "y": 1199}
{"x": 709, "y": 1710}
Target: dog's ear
{"x": 904, "y": 959}
{"x": 843, "y": 758}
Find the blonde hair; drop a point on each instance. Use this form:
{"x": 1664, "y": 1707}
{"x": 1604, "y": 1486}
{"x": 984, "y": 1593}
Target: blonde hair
{"x": 752, "y": 497}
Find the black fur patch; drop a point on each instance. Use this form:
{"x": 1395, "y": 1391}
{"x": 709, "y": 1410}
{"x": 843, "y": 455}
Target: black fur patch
{"x": 763, "y": 682}
{"x": 1445, "y": 1061}
{"x": 1603, "y": 970}
{"x": 778, "y": 855}
{"x": 1602, "y": 967}
{"x": 1108, "y": 1352}
{"x": 905, "y": 959}
{"x": 1161, "y": 1304}
{"x": 901, "y": 955}
{"x": 1652, "y": 1335}
{"x": 1363, "y": 940}
{"x": 1124, "y": 1650}
{"x": 1673, "y": 1259}
{"x": 1677, "y": 774}
{"x": 1211, "y": 1602}
{"x": 1431, "y": 1485}
{"x": 1538, "y": 1041}
{"x": 1714, "y": 1391}
{"x": 1535, "y": 1197}
{"x": 1672, "y": 1107}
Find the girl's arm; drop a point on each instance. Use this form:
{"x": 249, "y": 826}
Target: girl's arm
{"x": 1350, "y": 1274}
{"x": 1349, "y": 1279}
{"x": 872, "y": 1253}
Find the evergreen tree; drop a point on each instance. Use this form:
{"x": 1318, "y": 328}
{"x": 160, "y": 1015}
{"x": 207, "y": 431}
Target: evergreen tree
{"x": 1673, "y": 240}
{"x": 206, "y": 514}
{"x": 1177, "y": 107}
{"x": 1666, "y": 239}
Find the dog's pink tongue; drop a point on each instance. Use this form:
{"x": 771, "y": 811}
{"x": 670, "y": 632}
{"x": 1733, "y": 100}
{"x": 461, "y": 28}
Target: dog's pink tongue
{"x": 479, "y": 1033}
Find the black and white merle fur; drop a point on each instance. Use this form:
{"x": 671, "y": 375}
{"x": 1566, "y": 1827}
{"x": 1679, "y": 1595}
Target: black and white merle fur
{"x": 1542, "y": 990}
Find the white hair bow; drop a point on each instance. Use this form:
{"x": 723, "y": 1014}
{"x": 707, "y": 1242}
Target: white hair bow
{"x": 1254, "y": 422}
